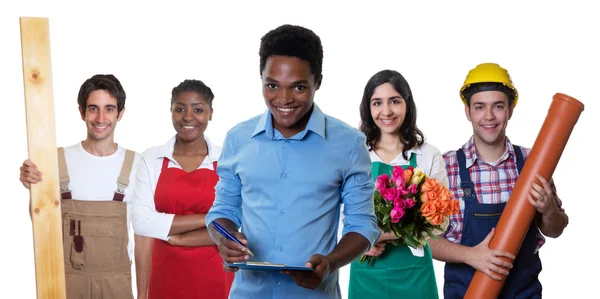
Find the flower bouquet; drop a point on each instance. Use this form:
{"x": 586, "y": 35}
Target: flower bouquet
{"x": 413, "y": 206}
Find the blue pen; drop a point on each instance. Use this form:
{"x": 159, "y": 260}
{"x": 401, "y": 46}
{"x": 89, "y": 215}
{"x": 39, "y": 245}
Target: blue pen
{"x": 227, "y": 235}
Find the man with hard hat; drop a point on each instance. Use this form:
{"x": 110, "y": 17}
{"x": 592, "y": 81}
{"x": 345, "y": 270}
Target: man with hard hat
{"x": 482, "y": 174}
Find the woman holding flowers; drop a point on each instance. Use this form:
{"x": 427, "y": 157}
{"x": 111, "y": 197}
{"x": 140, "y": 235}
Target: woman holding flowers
{"x": 388, "y": 119}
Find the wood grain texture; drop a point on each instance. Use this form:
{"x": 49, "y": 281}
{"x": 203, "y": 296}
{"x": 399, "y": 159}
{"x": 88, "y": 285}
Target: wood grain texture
{"x": 41, "y": 142}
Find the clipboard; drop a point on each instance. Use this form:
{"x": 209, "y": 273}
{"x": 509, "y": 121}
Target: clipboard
{"x": 266, "y": 266}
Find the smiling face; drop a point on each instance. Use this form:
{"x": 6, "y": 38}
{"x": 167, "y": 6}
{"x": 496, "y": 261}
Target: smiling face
{"x": 288, "y": 89}
{"x": 388, "y": 109}
{"x": 101, "y": 115}
{"x": 190, "y": 113}
{"x": 489, "y": 113}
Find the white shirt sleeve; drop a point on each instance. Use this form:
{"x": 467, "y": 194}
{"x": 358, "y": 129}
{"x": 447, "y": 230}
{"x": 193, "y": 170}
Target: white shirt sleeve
{"x": 438, "y": 168}
{"x": 146, "y": 220}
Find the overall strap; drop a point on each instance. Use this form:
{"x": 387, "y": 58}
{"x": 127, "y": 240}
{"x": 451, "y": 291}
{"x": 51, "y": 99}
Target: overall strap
{"x": 63, "y": 174}
{"x": 466, "y": 184}
{"x": 123, "y": 180}
{"x": 520, "y": 159}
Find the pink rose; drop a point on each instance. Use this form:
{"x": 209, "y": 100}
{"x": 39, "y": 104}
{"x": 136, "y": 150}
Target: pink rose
{"x": 399, "y": 181}
{"x": 398, "y": 176}
{"x": 402, "y": 191}
{"x": 396, "y": 214}
{"x": 412, "y": 189}
{"x": 399, "y": 203}
{"x": 409, "y": 203}
{"x": 390, "y": 194}
{"x": 381, "y": 182}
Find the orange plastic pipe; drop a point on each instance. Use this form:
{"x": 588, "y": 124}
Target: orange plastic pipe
{"x": 519, "y": 213}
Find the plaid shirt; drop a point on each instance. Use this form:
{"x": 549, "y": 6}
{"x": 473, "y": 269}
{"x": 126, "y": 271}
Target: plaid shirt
{"x": 493, "y": 184}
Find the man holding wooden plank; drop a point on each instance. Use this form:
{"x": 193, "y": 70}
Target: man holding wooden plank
{"x": 96, "y": 183}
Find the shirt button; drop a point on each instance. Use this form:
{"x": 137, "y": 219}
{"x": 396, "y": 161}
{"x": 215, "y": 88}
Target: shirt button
{"x": 283, "y": 176}
{"x": 279, "y": 282}
{"x": 280, "y": 248}
{"x": 287, "y": 141}
{"x": 281, "y": 212}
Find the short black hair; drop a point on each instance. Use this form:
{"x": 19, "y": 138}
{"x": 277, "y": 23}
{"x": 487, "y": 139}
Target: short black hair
{"x": 489, "y": 86}
{"x": 109, "y": 82}
{"x": 193, "y": 85}
{"x": 294, "y": 41}
{"x": 409, "y": 133}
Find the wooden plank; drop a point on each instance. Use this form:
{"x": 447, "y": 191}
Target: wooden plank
{"x": 41, "y": 142}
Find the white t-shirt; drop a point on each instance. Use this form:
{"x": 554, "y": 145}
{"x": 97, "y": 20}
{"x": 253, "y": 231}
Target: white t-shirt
{"x": 146, "y": 220}
{"x": 95, "y": 178}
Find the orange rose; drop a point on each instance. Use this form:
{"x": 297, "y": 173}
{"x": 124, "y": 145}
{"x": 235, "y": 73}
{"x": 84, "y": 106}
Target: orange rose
{"x": 436, "y": 219}
{"x": 407, "y": 175}
{"x": 428, "y": 209}
{"x": 455, "y": 206}
{"x": 450, "y": 195}
{"x": 430, "y": 184}
{"x": 444, "y": 194}
{"x": 448, "y": 208}
{"x": 439, "y": 205}
{"x": 428, "y": 196}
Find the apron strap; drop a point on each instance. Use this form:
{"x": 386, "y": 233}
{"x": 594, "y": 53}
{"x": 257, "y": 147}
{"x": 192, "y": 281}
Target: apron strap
{"x": 520, "y": 159}
{"x": 466, "y": 184}
{"x": 215, "y": 166}
{"x": 63, "y": 174}
{"x": 165, "y": 164}
{"x": 412, "y": 161}
{"x": 123, "y": 180}
{"x": 375, "y": 170}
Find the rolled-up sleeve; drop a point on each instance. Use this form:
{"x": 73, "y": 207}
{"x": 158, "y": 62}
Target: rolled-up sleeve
{"x": 357, "y": 195}
{"x": 146, "y": 220}
{"x": 228, "y": 191}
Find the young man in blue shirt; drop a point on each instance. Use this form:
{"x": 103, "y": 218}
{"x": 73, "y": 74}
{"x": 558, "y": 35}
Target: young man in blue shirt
{"x": 283, "y": 176}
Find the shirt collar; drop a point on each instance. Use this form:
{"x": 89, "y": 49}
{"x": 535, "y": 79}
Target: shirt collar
{"x": 471, "y": 153}
{"x": 316, "y": 124}
{"x": 166, "y": 150}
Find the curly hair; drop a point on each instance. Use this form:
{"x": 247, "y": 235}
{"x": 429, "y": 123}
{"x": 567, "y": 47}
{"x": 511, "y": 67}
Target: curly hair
{"x": 295, "y": 41}
{"x": 409, "y": 134}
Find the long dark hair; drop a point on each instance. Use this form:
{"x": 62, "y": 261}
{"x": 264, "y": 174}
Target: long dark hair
{"x": 409, "y": 134}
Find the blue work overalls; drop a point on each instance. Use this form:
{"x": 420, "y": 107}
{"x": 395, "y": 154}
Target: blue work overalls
{"x": 479, "y": 219}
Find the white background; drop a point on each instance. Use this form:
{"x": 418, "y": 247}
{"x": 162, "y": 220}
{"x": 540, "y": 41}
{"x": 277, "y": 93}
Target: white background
{"x": 547, "y": 47}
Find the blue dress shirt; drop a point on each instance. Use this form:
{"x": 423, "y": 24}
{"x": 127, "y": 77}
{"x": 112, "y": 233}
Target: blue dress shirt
{"x": 285, "y": 194}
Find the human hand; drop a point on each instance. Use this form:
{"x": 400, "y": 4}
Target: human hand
{"x": 376, "y": 250}
{"x": 386, "y": 236}
{"x": 311, "y": 279}
{"x": 29, "y": 174}
{"x": 174, "y": 240}
{"x": 232, "y": 252}
{"x": 542, "y": 197}
{"x": 487, "y": 260}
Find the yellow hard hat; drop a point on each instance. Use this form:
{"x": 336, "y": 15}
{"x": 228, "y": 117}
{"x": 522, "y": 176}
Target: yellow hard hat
{"x": 488, "y": 72}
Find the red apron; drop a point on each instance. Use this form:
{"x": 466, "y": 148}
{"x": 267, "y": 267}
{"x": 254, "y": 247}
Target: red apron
{"x": 186, "y": 272}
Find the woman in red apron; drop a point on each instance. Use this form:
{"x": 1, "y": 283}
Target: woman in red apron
{"x": 182, "y": 175}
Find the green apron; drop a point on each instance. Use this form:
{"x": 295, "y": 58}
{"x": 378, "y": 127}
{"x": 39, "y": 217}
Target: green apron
{"x": 396, "y": 273}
